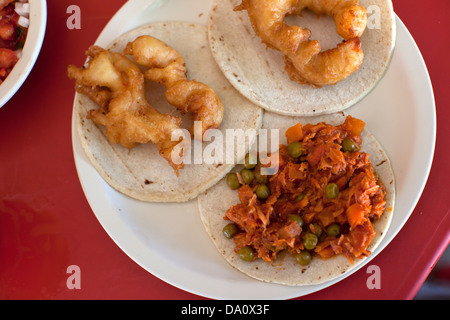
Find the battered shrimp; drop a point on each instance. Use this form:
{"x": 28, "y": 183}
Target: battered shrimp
{"x": 167, "y": 66}
{"x": 304, "y": 60}
{"x": 118, "y": 84}
{"x": 350, "y": 18}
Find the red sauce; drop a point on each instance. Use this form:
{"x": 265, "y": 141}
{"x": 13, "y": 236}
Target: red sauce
{"x": 12, "y": 37}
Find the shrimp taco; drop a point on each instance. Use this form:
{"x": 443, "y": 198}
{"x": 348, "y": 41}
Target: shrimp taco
{"x": 321, "y": 215}
{"x": 288, "y": 60}
{"x": 146, "y": 171}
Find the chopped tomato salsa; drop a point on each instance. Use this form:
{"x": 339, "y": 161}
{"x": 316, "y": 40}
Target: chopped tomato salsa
{"x": 12, "y": 37}
{"x": 322, "y": 201}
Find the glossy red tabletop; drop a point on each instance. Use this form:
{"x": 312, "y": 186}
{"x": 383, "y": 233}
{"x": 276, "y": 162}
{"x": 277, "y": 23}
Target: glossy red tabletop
{"x": 46, "y": 224}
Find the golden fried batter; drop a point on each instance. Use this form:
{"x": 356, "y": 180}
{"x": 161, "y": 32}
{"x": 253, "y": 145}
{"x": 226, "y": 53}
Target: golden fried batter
{"x": 304, "y": 60}
{"x": 117, "y": 85}
{"x": 166, "y": 66}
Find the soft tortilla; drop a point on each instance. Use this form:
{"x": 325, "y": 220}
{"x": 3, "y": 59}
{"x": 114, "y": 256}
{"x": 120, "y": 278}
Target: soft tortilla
{"x": 141, "y": 172}
{"x": 216, "y": 201}
{"x": 258, "y": 72}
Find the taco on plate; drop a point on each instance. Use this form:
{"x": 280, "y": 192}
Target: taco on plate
{"x": 321, "y": 214}
{"x": 259, "y": 71}
{"x": 138, "y": 170}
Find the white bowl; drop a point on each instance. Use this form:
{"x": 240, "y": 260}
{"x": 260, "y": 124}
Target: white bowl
{"x": 31, "y": 49}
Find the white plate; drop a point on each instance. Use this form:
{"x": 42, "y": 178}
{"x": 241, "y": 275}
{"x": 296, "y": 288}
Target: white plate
{"x": 169, "y": 241}
{"x": 31, "y": 49}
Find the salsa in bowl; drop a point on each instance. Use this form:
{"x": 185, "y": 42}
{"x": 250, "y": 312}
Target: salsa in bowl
{"x": 22, "y": 29}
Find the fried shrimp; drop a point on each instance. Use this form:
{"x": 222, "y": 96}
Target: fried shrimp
{"x": 167, "y": 66}
{"x": 117, "y": 85}
{"x": 305, "y": 62}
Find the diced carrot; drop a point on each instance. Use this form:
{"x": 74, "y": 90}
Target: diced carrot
{"x": 316, "y": 154}
{"x": 355, "y": 215}
{"x": 294, "y": 133}
{"x": 308, "y": 217}
{"x": 296, "y": 170}
{"x": 354, "y": 125}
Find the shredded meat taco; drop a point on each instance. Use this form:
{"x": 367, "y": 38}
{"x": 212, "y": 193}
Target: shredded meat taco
{"x": 320, "y": 215}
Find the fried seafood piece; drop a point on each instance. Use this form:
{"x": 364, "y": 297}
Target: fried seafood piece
{"x": 117, "y": 84}
{"x": 167, "y": 66}
{"x": 326, "y": 67}
{"x": 305, "y": 62}
{"x": 350, "y": 18}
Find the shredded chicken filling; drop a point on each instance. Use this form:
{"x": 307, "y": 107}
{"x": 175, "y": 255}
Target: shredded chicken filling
{"x": 299, "y": 188}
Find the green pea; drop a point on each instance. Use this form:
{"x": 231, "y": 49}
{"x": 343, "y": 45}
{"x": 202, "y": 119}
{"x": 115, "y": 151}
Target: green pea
{"x": 246, "y": 253}
{"x": 303, "y": 258}
{"x": 260, "y": 177}
{"x": 297, "y": 218}
{"x": 295, "y": 149}
{"x": 332, "y": 190}
{"x": 348, "y": 145}
{"x": 300, "y": 197}
{"x": 247, "y": 176}
{"x": 250, "y": 161}
{"x": 262, "y": 191}
{"x": 310, "y": 241}
{"x": 230, "y": 230}
{"x": 333, "y": 229}
{"x": 233, "y": 181}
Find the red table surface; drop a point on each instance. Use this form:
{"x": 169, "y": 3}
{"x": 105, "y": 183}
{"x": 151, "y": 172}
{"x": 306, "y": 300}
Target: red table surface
{"x": 47, "y": 225}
